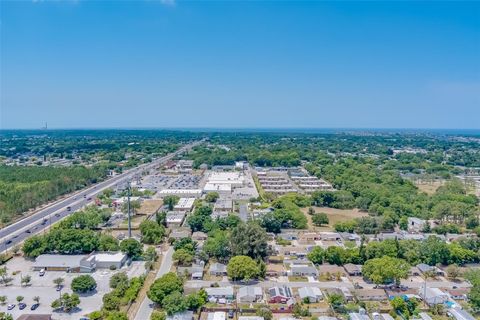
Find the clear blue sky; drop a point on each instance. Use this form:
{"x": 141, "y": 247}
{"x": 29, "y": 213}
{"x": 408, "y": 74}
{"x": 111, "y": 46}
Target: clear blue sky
{"x": 240, "y": 64}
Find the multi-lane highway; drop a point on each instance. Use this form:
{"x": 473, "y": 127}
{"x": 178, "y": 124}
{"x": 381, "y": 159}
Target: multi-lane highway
{"x": 42, "y": 219}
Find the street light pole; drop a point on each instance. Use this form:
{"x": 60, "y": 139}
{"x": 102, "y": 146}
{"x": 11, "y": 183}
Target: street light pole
{"x": 128, "y": 211}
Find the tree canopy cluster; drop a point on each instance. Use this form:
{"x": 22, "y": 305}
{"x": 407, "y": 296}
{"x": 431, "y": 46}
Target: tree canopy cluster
{"x": 167, "y": 292}
{"x": 432, "y": 251}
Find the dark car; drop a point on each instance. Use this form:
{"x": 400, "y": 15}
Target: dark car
{"x": 34, "y": 306}
{"x": 9, "y": 241}
{"x": 22, "y": 306}
{"x": 28, "y": 231}
{"x": 230, "y": 313}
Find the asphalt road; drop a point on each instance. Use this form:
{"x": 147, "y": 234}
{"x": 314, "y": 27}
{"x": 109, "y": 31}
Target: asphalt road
{"x": 146, "y": 308}
{"x": 35, "y": 223}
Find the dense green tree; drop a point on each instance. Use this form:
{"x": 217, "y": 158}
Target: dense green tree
{"x": 183, "y": 257}
{"x": 108, "y": 243}
{"x": 152, "y": 232}
{"x": 117, "y": 279}
{"x": 174, "y": 303}
{"x": 385, "y": 269}
{"x": 211, "y": 197}
{"x": 217, "y": 245}
{"x": 170, "y": 201}
{"x": 67, "y": 302}
{"x": 132, "y": 248}
{"x": 164, "y": 286}
{"x": 320, "y": 219}
{"x": 249, "y": 239}
{"x": 242, "y": 268}
{"x": 317, "y": 255}
{"x": 83, "y": 283}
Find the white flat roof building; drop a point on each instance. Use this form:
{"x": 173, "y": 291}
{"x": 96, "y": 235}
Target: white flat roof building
{"x": 109, "y": 259}
{"x": 232, "y": 178}
{"x": 184, "y": 204}
{"x": 187, "y": 193}
{"x": 216, "y": 315}
{"x": 217, "y": 187}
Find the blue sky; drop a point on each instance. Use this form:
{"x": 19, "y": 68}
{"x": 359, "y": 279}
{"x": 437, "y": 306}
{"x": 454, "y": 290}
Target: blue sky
{"x": 78, "y": 64}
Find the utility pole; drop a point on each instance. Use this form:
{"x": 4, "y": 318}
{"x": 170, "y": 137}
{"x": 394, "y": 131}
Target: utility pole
{"x": 128, "y": 210}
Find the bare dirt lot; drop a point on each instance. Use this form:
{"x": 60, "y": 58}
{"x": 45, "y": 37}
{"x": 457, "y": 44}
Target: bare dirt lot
{"x": 150, "y": 206}
{"x": 429, "y": 187}
{"x": 334, "y": 216}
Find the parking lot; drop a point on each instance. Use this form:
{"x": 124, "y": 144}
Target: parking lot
{"x": 46, "y": 289}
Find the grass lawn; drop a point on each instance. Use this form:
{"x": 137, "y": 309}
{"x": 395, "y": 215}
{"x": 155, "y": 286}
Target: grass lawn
{"x": 136, "y": 220}
{"x": 334, "y": 216}
{"x": 150, "y": 206}
{"x": 429, "y": 187}
{"x": 297, "y": 279}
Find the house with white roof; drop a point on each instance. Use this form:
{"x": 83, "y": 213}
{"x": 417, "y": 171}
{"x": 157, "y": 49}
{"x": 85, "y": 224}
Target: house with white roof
{"x": 312, "y": 294}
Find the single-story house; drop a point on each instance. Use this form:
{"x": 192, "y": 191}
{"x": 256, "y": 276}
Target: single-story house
{"x": 219, "y": 315}
{"x": 109, "y": 260}
{"x": 199, "y": 236}
{"x": 220, "y": 293}
{"x": 289, "y": 236}
{"x": 313, "y": 294}
{"x": 275, "y": 270}
{"x": 279, "y": 294}
{"x": 195, "y": 270}
{"x": 381, "y": 316}
{"x": 35, "y": 317}
{"x": 217, "y": 269}
{"x": 180, "y": 233}
{"x": 308, "y": 238}
{"x": 414, "y": 236}
{"x": 389, "y": 236}
{"x": 63, "y": 262}
{"x": 370, "y": 295}
{"x": 175, "y": 218}
{"x": 358, "y": 316}
{"x": 414, "y": 271}
{"x": 344, "y": 292}
{"x": 330, "y": 269}
{"x": 424, "y": 268}
{"x": 249, "y": 294}
{"x": 184, "y": 315}
{"x": 302, "y": 270}
{"x": 433, "y": 296}
{"x": 330, "y": 236}
{"x": 415, "y": 224}
{"x": 458, "y": 294}
{"x": 353, "y": 269}
{"x": 250, "y": 318}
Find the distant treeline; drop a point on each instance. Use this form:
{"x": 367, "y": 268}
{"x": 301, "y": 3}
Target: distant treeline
{"x": 23, "y": 188}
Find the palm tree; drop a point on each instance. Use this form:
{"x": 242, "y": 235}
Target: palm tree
{"x": 19, "y": 299}
{"x": 36, "y": 299}
{"x": 26, "y": 280}
{"x": 58, "y": 281}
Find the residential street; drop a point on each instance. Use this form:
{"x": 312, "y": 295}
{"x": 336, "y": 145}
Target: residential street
{"x": 146, "y": 307}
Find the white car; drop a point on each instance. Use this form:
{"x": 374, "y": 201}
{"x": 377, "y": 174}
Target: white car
{"x": 10, "y": 306}
{"x": 41, "y": 273}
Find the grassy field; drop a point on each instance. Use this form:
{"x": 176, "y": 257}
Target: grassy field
{"x": 150, "y": 206}
{"x": 334, "y": 216}
{"x": 429, "y": 187}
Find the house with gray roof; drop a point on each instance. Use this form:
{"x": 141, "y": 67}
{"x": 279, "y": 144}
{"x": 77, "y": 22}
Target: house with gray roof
{"x": 217, "y": 269}
{"x": 249, "y": 294}
{"x": 312, "y": 294}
